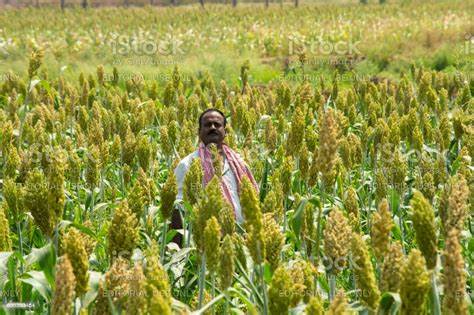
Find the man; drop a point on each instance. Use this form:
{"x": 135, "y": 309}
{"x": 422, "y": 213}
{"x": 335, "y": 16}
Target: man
{"x": 212, "y": 129}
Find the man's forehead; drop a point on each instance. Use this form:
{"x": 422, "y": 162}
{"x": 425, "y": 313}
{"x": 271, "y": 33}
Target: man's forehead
{"x": 212, "y": 116}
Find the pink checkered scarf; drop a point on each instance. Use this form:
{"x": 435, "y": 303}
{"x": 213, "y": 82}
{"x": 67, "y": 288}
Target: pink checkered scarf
{"x": 237, "y": 165}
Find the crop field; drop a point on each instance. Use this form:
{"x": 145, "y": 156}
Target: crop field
{"x": 357, "y": 122}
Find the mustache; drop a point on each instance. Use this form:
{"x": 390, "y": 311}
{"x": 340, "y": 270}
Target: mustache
{"x": 213, "y": 132}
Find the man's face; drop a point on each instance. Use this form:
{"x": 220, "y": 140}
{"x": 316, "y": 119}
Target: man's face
{"x": 212, "y": 128}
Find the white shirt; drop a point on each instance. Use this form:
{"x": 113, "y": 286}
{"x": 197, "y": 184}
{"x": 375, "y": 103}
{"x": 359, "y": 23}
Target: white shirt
{"x": 228, "y": 176}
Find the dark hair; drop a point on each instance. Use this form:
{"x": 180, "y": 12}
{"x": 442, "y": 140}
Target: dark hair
{"x": 211, "y": 110}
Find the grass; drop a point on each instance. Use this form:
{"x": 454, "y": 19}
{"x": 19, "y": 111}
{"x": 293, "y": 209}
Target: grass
{"x": 384, "y": 39}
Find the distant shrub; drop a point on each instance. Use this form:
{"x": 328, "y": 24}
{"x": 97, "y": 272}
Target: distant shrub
{"x": 441, "y": 61}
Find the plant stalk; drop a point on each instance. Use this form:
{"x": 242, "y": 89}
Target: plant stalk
{"x": 320, "y": 212}
{"x": 20, "y": 240}
{"x": 332, "y": 286}
{"x": 264, "y": 287}
{"x": 202, "y": 279}
{"x": 163, "y": 242}
{"x": 213, "y": 288}
{"x": 435, "y": 303}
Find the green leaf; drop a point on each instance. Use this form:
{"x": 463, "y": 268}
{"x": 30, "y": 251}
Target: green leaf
{"x": 4, "y": 259}
{"x": 178, "y": 262}
{"x": 33, "y": 83}
{"x": 394, "y": 201}
{"x": 45, "y": 85}
{"x": 169, "y": 235}
{"x": 237, "y": 311}
{"x": 12, "y": 274}
{"x": 470, "y": 245}
{"x": 323, "y": 282}
{"x": 153, "y": 210}
{"x": 267, "y": 273}
{"x": 38, "y": 281}
{"x": 38, "y": 254}
{"x": 208, "y": 305}
{"x": 249, "y": 284}
{"x": 315, "y": 201}
{"x": 100, "y": 206}
{"x": 179, "y": 307}
{"x": 65, "y": 223}
{"x": 298, "y": 217}
{"x": 389, "y": 303}
{"x": 91, "y": 294}
{"x": 45, "y": 257}
{"x": 249, "y": 305}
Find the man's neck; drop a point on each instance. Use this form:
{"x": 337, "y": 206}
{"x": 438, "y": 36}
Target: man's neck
{"x": 218, "y": 145}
